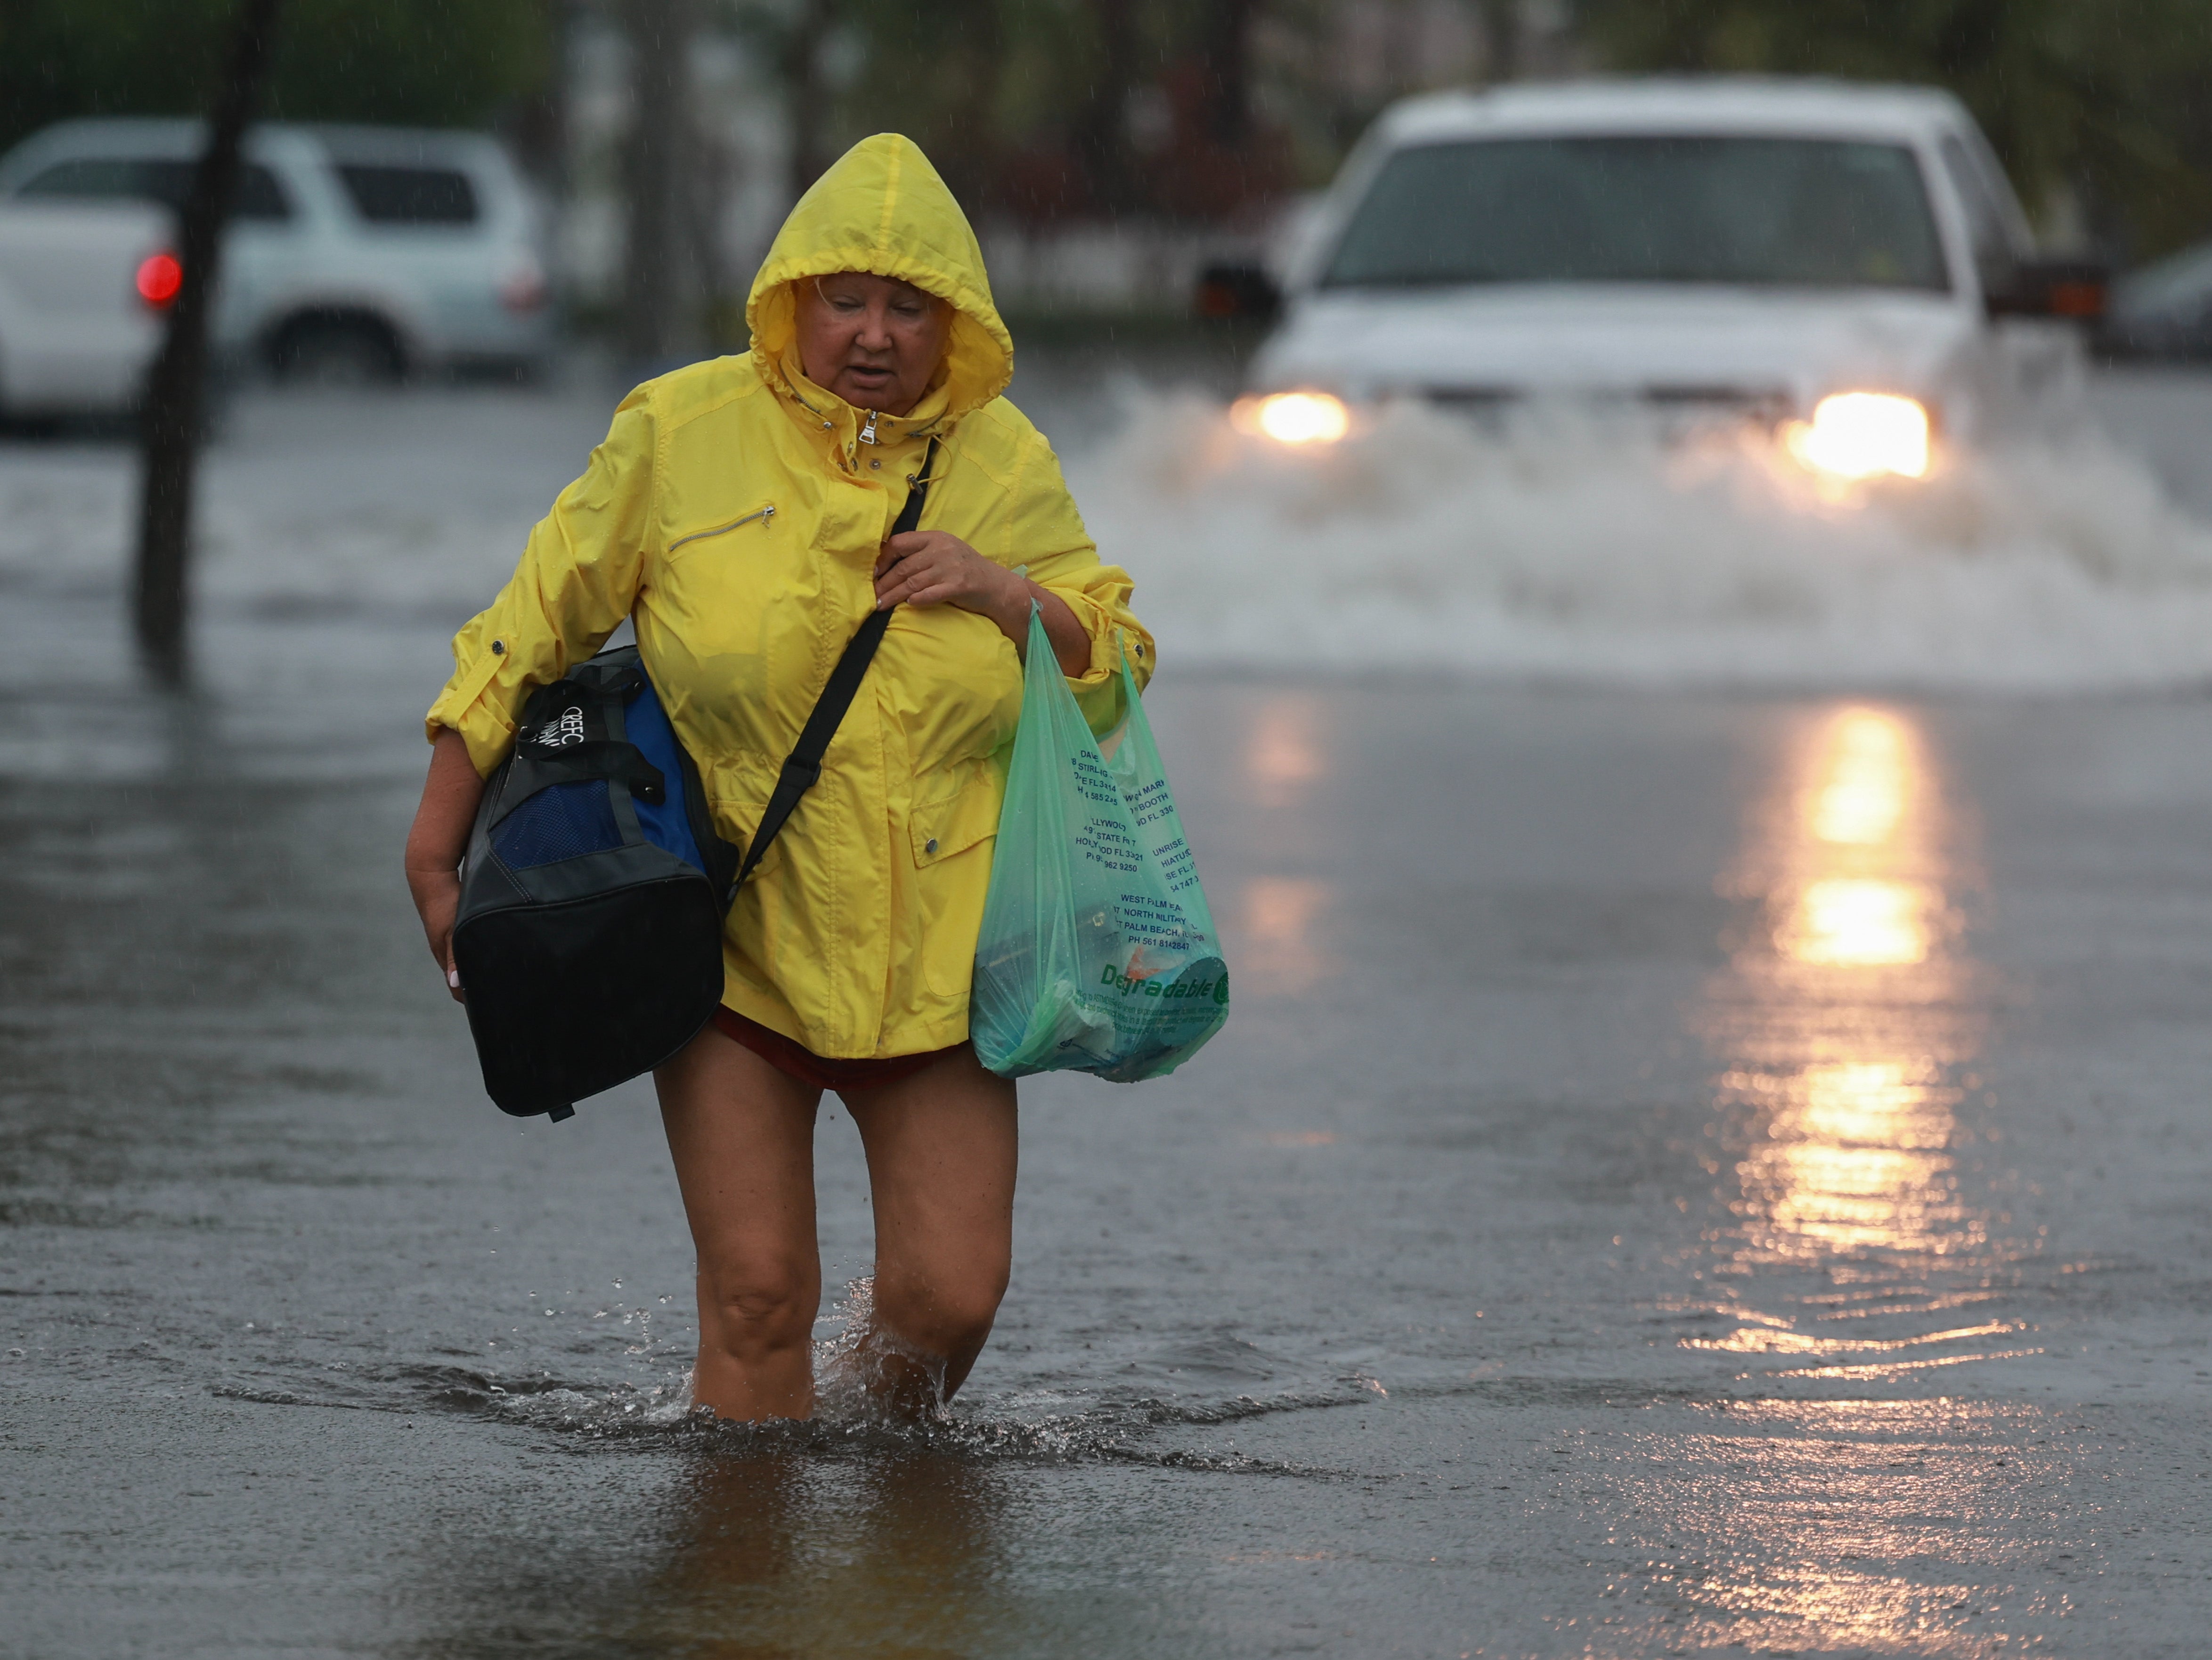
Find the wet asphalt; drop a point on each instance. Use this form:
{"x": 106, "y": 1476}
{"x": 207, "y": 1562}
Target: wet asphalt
{"x": 1684, "y": 1173}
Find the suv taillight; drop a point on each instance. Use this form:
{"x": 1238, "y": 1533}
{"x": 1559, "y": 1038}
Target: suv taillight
{"x": 523, "y": 291}
{"x": 159, "y": 277}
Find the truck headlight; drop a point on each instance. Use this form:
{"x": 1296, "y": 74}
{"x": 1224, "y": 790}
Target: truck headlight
{"x": 1293, "y": 417}
{"x": 1862, "y": 434}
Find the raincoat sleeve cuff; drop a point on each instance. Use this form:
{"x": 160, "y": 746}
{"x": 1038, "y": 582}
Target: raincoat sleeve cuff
{"x": 463, "y": 708}
{"x": 1112, "y": 630}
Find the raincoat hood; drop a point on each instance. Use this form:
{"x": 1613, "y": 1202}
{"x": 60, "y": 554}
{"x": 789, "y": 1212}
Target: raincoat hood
{"x": 882, "y": 209}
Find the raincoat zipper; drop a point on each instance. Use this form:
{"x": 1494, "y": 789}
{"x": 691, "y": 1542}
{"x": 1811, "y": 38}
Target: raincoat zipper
{"x": 766, "y": 512}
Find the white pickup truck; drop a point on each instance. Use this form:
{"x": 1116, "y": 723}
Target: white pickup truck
{"x": 1847, "y": 264}
{"x": 82, "y": 290}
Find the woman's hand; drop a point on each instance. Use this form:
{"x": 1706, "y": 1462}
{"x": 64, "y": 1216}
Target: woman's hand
{"x": 434, "y": 846}
{"x": 935, "y": 568}
{"x": 437, "y": 901}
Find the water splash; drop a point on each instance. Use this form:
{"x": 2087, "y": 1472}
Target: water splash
{"x": 1134, "y": 1428}
{"x": 863, "y": 1375}
{"x": 1559, "y": 547}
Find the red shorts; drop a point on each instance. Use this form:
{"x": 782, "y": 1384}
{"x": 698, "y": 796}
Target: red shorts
{"x": 795, "y": 1060}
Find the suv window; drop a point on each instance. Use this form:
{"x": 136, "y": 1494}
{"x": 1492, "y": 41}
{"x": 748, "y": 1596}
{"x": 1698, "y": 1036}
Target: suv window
{"x": 142, "y": 179}
{"x": 410, "y": 195}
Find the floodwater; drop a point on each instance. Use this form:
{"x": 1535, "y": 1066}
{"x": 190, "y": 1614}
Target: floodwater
{"x": 1689, "y": 1168}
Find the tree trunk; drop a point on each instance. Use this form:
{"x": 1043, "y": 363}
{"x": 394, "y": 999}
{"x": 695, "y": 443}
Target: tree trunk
{"x": 807, "y": 94}
{"x": 1228, "y": 72}
{"x": 1101, "y": 137}
{"x": 176, "y": 386}
{"x": 1501, "y": 40}
{"x": 536, "y": 129}
{"x": 661, "y": 293}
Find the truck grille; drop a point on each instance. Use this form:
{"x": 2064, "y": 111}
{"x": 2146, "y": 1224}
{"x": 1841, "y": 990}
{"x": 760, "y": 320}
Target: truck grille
{"x": 1675, "y": 407}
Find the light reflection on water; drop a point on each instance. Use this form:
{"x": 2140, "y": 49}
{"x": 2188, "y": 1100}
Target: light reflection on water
{"x": 1855, "y": 1156}
{"x": 1860, "y": 921}
{"x": 1866, "y": 780}
{"x": 1838, "y": 1522}
{"x": 1863, "y": 1242}
{"x": 1283, "y": 951}
{"x": 1846, "y": 1026}
{"x": 1283, "y": 752}
{"x": 1278, "y": 943}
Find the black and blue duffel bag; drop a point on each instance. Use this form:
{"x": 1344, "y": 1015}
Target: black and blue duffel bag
{"x": 589, "y": 938}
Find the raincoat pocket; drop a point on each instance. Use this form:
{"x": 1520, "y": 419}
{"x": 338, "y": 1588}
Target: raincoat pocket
{"x": 951, "y": 855}
{"x": 1097, "y": 952}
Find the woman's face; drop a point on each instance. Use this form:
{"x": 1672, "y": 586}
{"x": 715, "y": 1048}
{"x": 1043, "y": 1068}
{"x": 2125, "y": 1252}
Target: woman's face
{"x": 874, "y": 341}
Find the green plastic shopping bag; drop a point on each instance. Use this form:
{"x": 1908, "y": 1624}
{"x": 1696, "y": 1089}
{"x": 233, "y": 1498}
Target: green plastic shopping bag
{"x": 1097, "y": 953}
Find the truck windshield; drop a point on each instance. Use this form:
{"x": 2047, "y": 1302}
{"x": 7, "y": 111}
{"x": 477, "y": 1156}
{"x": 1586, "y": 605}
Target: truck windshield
{"x": 1768, "y": 212}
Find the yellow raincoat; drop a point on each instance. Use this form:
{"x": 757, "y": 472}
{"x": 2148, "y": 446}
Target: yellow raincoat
{"x": 736, "y": 512}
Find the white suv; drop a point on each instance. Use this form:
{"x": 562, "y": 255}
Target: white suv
{"x": 1847, "y": 263}
{"x": 355, "y": 252}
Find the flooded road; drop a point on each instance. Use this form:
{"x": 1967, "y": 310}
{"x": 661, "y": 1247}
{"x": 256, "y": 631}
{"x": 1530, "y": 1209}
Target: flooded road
{"x": 1685, "y": 1171}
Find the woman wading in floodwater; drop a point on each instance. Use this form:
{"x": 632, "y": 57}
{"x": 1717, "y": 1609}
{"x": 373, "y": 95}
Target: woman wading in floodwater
{"x": 738, "y": 511}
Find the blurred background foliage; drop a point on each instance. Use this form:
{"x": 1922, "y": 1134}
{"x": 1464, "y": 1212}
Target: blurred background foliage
{"x": 1046, "y": 109}
{"x": 2102, "y": 109}
{"x": 439, "y": 62}
{"x": 1192, "y": 111}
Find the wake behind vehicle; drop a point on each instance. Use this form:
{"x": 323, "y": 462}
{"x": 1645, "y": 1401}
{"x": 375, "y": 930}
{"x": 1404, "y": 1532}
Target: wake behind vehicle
{"x": 1847, "y": 266}
{"x": 353, "y": 253}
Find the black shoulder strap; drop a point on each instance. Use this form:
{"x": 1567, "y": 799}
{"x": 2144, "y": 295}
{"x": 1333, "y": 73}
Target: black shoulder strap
{"x": 804, "y": 764}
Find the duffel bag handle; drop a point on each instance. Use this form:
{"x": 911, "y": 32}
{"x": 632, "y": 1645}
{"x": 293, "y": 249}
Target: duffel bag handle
{"x": 582, "y": 764}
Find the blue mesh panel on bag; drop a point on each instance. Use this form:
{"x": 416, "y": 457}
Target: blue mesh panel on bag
{"x": 667, "y": 825}
{"x": 563, "y": 821}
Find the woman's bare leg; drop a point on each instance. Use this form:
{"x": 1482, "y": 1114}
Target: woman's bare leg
{"x": 742, "y": 1134}
{"x": 941, "y": 1148}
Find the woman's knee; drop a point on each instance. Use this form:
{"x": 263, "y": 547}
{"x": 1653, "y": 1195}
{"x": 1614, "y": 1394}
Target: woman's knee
{"x": 758, "y": 1307}
{"x": 941, "y": 1314}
